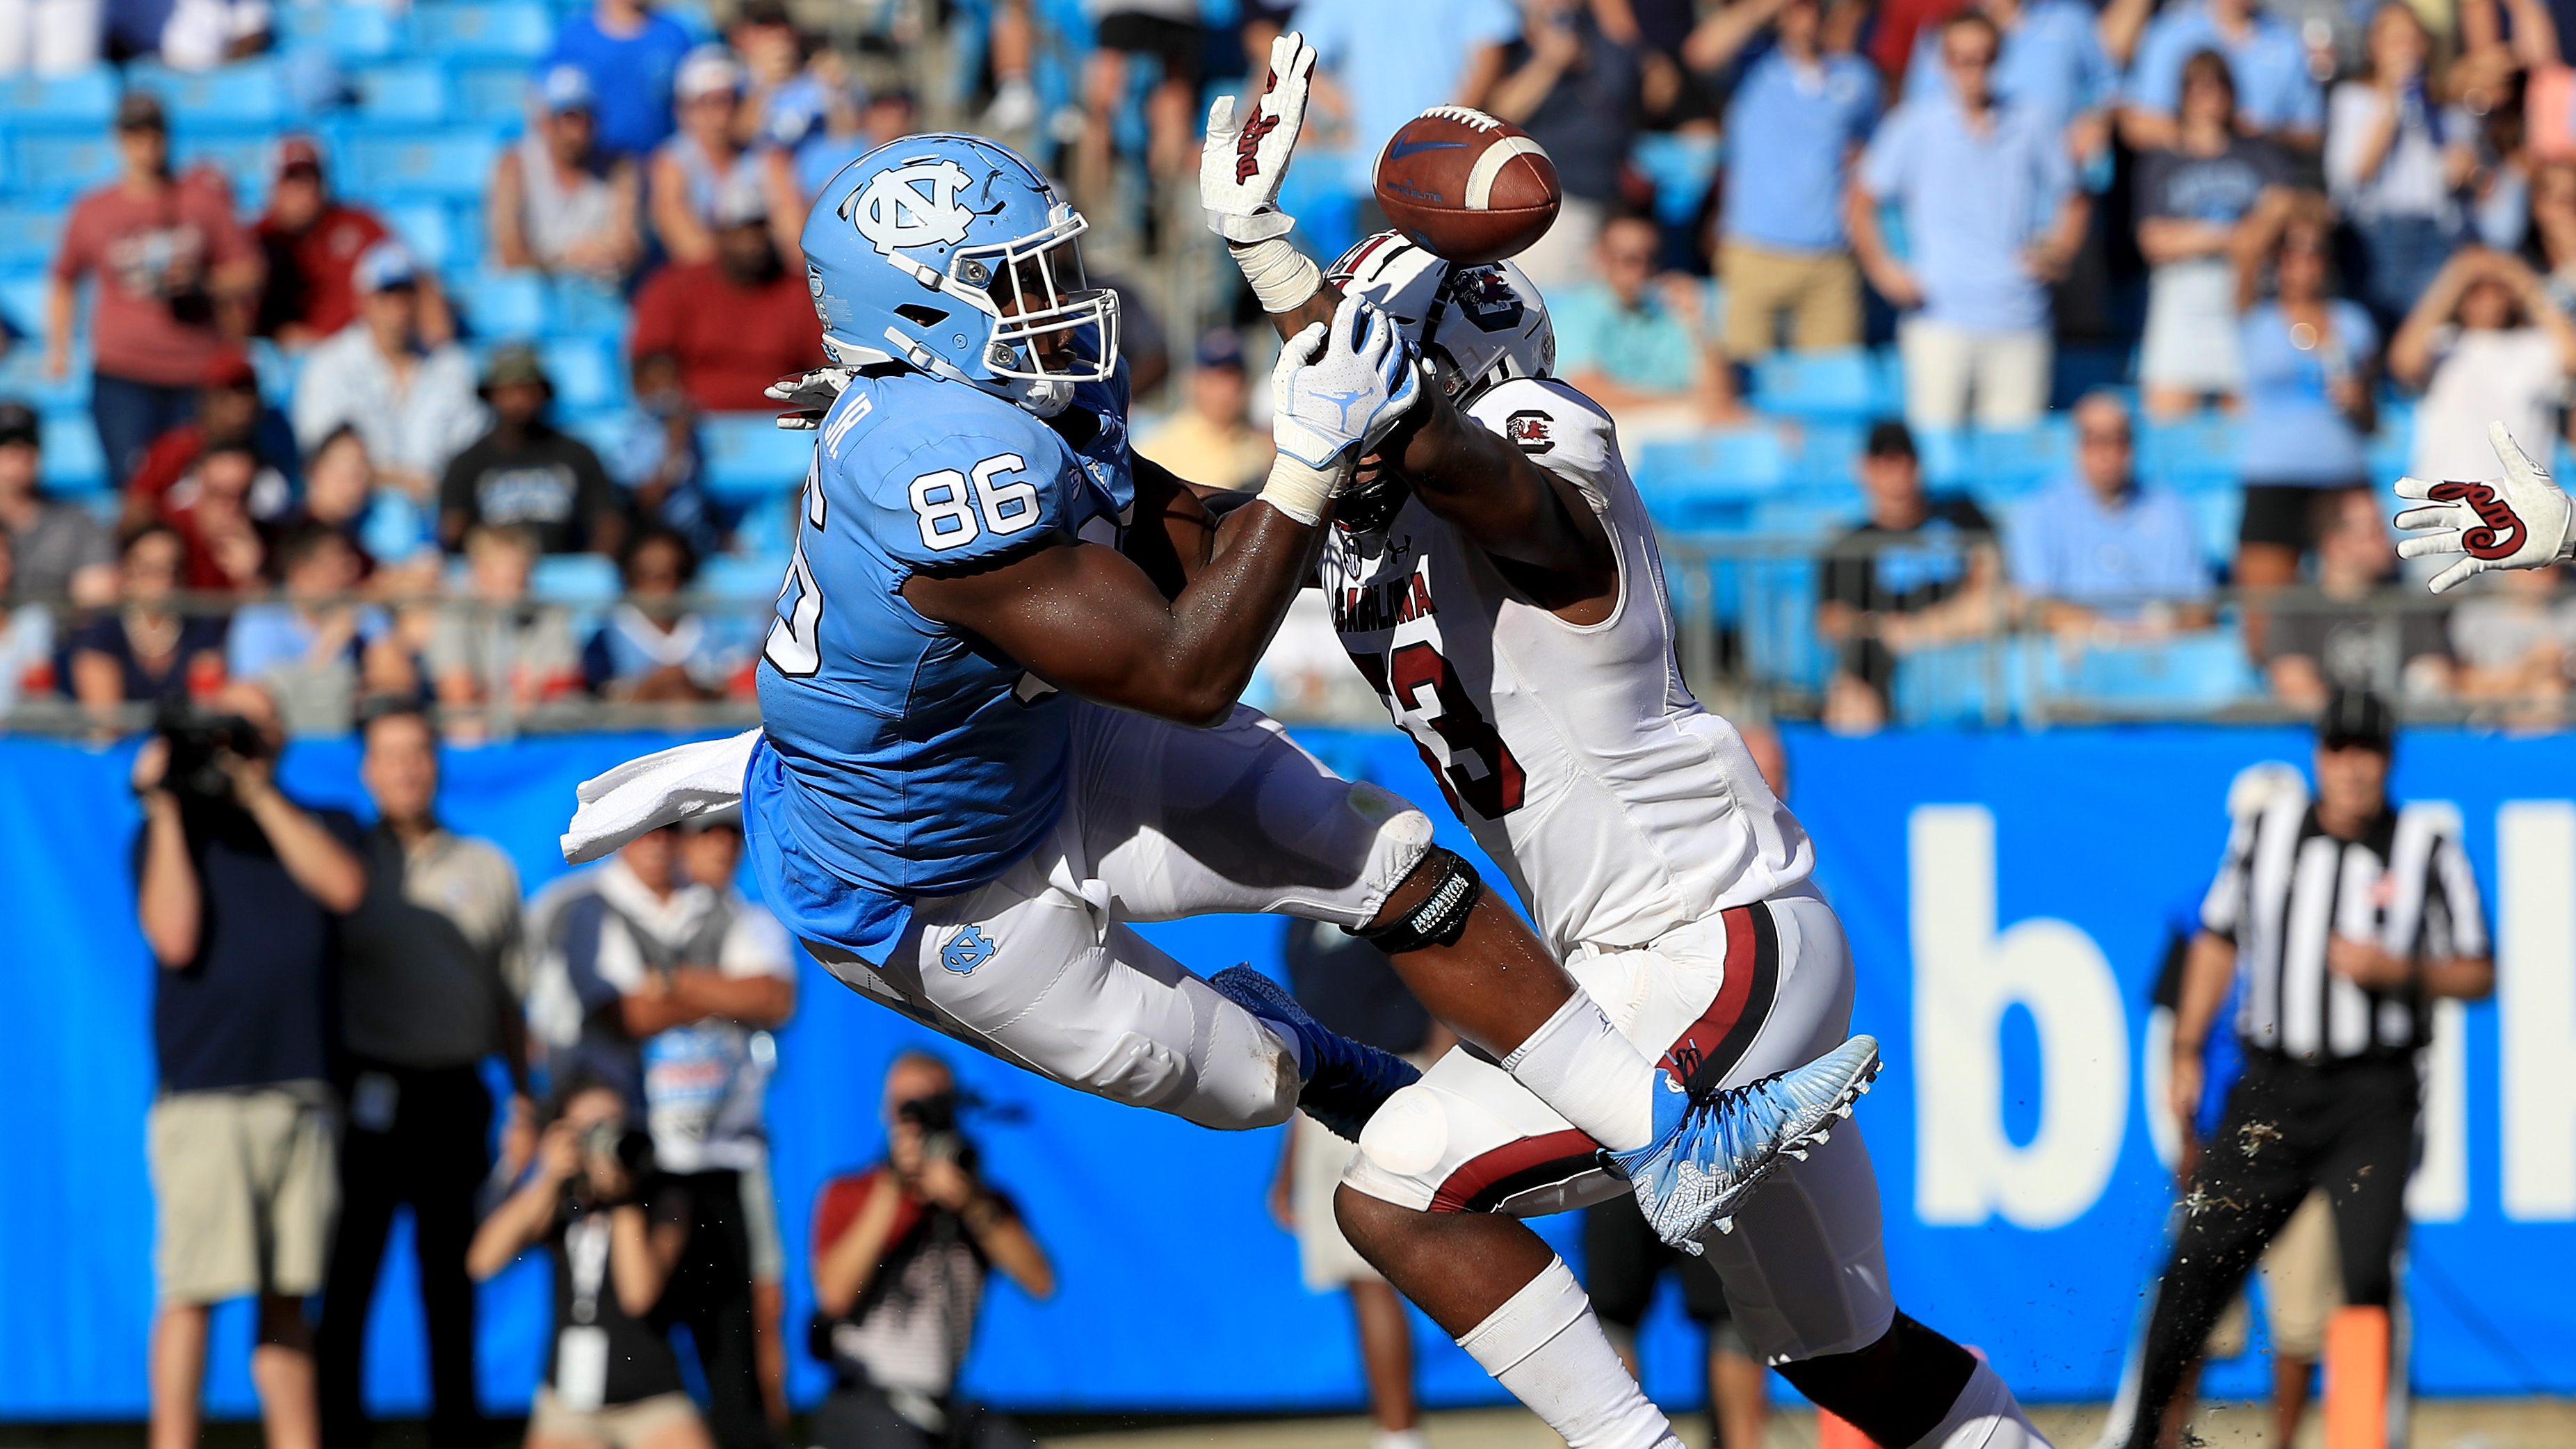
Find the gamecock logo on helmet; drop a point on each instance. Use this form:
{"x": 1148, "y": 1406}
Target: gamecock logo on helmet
{"x": 1486, "y": 299}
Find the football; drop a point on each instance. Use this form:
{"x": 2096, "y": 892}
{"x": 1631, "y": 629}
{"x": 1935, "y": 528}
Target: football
{"x": 1472, "y": 187}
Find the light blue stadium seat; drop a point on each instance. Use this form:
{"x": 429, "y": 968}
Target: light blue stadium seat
{"x": 28, "y": 234}
{"x": 424, "y": 227}
{"x": 22, "y": 376}
{"x": 347, "y": 31}
{"x": 2188, "y": 674}
{"x": 1848, "y": 384}
{"x": 580, "y": 307}
{"x": 277, "y": 368}
{"x": 585, "y": 373}
{"x": 491, "y": 92}
{"x": 447, "y": 166}
{"x": 2016, "y": 464}
{"x": 501, "y": 31}
{"x": 749, "y": 457}
{"x": 1959, "y": 684}
{"x": 2191, "y": 453}
{"x": 502, "y": 304}
{"x": 575, "y": 578}
{"x": 247, "y": 159}
{"x": 1680, "y": 164}
{"x": 244, "y": 93}
{"x": 74, "y": 463}
{"x": 1710, "y": 482}
{"x": 1949, "y": 458}
{"x": 22, "y": 301}
{"x": 70, "y": 102}
{"x": 60, "y": 166}
{"x": 742, "y": 576}
{"x": 2215, "y": 513}
{"x": 410, "y": 91}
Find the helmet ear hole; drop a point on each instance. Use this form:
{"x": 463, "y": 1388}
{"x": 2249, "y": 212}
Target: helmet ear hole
{"x": 919, "y": 315}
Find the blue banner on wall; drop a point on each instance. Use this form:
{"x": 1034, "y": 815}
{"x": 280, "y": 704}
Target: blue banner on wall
{"x": 2008, "y": 899}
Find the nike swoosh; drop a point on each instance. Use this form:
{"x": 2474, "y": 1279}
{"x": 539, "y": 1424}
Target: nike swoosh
{"x": 1403, "y": 148}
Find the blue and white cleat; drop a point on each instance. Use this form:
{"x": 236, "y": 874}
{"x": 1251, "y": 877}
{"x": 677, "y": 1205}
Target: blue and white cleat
{"x": 1346, "y": 1082}
{"x": 1710, "y": 1151}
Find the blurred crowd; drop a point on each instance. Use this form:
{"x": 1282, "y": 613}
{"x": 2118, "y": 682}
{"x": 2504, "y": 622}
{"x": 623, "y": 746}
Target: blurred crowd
{"x": 2333, "y": 236}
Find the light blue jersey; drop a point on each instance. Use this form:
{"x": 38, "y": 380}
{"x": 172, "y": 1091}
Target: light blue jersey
{"x": 905, "y": 758}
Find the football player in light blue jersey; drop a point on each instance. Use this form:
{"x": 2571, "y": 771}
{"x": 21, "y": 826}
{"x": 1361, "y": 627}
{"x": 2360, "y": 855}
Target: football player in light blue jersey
{"x": 999, "y": 700}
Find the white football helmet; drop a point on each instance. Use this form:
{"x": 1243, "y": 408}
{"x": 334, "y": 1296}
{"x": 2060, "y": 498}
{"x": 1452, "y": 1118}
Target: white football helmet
{"x": 1476, "y": 325}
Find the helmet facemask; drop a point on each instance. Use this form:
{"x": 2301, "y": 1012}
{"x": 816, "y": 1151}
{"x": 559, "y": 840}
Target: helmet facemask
{"x": 1051, "y": 329}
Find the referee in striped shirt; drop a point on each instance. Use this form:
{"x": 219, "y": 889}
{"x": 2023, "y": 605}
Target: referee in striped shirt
{"x": 2343, "y": 920}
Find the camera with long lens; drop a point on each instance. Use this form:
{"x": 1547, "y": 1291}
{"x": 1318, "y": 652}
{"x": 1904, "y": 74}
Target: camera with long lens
{"x": 936, "y": 1117}
{"x": 198, "y": 742}
{"x": 631, "y": 1148}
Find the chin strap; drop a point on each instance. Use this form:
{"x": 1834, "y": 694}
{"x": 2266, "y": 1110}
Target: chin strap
{"x": 1044, "y": 397}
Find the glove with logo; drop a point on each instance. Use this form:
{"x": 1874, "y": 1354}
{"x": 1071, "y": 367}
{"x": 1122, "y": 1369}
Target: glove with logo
{"x": 808, "y": 396}
{"x": 1337, "y": 390}
{"x": 1240, "y": 168}
{"x": 2519, "y": 521}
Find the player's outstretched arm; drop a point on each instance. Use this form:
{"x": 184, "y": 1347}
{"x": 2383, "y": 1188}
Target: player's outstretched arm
{"x": 1241, "y": 165}
{"x": 2519, "y": 521}
{"x": 1086, "y": 618}
{"x": 1511, "y": 507}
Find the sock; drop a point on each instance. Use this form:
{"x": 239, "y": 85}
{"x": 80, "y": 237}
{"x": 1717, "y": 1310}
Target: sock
{"x": 1579, "y": 1064}
{"x": 1400, "y": 1439}
{"x": 1545, "y": 1345}
{"x": 1984, "y": 1416}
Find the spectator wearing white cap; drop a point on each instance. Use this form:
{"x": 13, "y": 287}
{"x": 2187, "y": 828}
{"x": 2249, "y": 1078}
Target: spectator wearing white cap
{"x": 558, "y": 202}
{"x": 411, "y": 402}
{"x": 695, "y": 171}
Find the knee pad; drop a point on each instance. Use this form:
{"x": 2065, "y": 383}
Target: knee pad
{"x": 1896, "y": 1390}
{"x": 1400, "y": 1150}
{"x": 1441, "y": 918}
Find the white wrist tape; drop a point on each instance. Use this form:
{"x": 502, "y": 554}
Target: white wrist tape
{"x": 1281, "y": 276}
{"x": 1299, "y": 490}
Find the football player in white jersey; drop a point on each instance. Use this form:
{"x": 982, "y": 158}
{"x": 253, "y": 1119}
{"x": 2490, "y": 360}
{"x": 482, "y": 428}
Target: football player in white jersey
{"x": 1500, "y": 587}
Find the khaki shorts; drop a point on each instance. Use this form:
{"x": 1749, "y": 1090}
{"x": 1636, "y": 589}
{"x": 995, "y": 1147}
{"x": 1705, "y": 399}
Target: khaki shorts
{"x": 620, "y": 1426}
{"x": 1819, "y": 290}
{"x": 247, "y": 1189}
{"x": 2302, "y": 1287}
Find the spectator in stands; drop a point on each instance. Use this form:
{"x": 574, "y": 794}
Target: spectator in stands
{"x": 651, "y": 650}
{"x": 735, "y": 324}
{"x": 1992, "y": 216}
{"x": 2514, "y": 642}
{"x": 312, "y": 243}
{"x": 2358, "y": 634}
{"x": 63, "y": 555}
{"x": 2553, "y": 230}
{"x": 1574, "y": 89}
{"x": 26, "y": 637}
{"x": 1639, "y": 345}
{"x": 412, "y": 400}
{"x": 2483, "y": 343}
{"x": 1168, "y": 33}
{"x": 2103, "y": 555}
{"x": 1918, "y": 571}
{"x": 215, "y": 509}
{"x": 229, "y": 410}
{"x": 631, "y": 55}
{"x": 430, "y": 981}
{"x": 50, "y": 37}
{"x": 497, "y": 646}
{"x": 146, "y": 652}
{"x": 654, "y": 456}
{"x": 1379, "y": 65}
{"x": 848, "y": 122}
{"x": 2308, "y": 410}
{"x": 1796, "y": 123}
{"x": 778, "y": 89}
{"x": 1212, "y": 440}
{"x": 902, "y": 1250}
{"x": 2276, "y": 96}
{"x": 315, "y": 651}
{"x": 2052, "y": 62}
{"x": 239, "y": 891}
{"x": 705, "y": 175}
{"x": 2190, "y": 197}
{"x": 525, "y": 473}
{"x": 205, "y": 35}
{"x": 2396, "y": 161}
{"x": 175, "y": 277}
{"x": 618, "y": 1228}
{"x": 397, "y": 552}
{"x": 559, "y": 203}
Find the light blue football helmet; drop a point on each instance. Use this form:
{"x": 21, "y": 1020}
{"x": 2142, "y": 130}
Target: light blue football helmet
{"x": 953, "y": 255}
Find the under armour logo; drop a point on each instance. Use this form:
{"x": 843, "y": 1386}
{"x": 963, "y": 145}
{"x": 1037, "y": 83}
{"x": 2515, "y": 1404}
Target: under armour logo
{"x": 1247, "y": 158}
{"x": 911, "y": 206}
{"x": 967, "y": 950}
{"x": 2500, "y": 529}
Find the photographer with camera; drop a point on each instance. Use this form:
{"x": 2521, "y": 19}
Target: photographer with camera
{"x": 900, "y": 1255}
{"x": 618, "y": 1229}
{"x": 237, "y": 891}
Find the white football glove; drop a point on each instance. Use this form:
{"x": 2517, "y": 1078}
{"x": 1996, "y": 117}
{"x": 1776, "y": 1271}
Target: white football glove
{"x": 808, "y": 396}
{"x": 1336, "y": 390}
{"x": 1243, "y": 161}
{"x": 2519, "y": 521}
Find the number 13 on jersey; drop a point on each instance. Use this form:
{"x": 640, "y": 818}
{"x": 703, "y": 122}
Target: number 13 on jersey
{"x": 1479, "y": 772}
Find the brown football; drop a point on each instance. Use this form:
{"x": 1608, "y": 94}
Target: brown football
{"x": 1472, "y": 187}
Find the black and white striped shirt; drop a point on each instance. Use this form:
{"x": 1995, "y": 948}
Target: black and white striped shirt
{"x": 2287, "y": 886}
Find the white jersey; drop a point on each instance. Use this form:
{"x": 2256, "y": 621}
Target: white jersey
{"x": 1619, "y": 806}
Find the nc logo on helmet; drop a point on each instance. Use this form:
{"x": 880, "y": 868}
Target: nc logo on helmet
{"x": 913, "y": 205}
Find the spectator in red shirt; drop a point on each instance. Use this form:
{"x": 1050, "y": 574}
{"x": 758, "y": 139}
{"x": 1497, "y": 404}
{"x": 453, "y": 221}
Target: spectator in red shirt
{"x": 735, "y": 324}
{"x": 229, "y": 410}
{"x": 312, "y": 243}
{"x": 175, "y": 276}
{"x": 217, "y": 509}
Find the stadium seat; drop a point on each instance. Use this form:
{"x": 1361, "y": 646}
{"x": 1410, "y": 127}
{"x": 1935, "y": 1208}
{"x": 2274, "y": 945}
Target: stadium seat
{"x": 580, "y": 307}
{"x": 74, "y": 464}
{"x": 59, "y": 167}
{"x": 247, "y": 160}
{"x": 491, "y": 93}
{"x": 446, "y": 166}
{"x": 749, "y": 457}
{"x": 575, "y": 578}
{"x": 2011, "y": 465}
{"x": 2189, "y": 454}
{"x": 423, "y": 227}
{"x": 1949, "y": 458}
{"x": 1680, "y": 165}
{"x": 415, "y": 91}
{"x": 82, "y": 102}
{"x": 585, "y": 374}
{"x": 1710, "y": 482}
{"x": 28, "y": 234}
{"x": 2215, "y": 513}
{"x": 349, "y": 32}
{"x": 22, "y": 301}
{"x": 22, "y": 376}
{"x": 1849, "y": 384}
{"x": 502, "y": 304}
{"x": 2189, "y": 674}
{"x": 1976, "y": 681}
{"x": 501, "y": 31}
{"x": 244, "y": 93}
{"x": 741, "y": 576}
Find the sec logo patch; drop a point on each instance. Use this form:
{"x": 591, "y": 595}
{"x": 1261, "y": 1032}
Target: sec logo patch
{"x": 1530, "y": 430}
